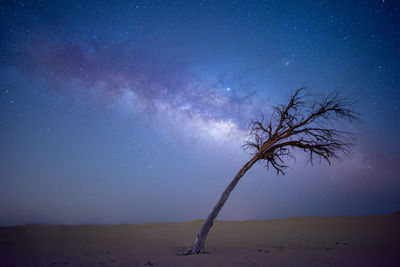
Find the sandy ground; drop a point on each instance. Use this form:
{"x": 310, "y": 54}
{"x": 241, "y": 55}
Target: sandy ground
{"x": 309, "y": 241}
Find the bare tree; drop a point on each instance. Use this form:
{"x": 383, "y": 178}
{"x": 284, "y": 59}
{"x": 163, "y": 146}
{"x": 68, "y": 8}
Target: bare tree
{"x": 305, "y": 123}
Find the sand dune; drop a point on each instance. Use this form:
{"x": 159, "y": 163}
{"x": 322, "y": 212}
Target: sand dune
{"x": 308, "y": 241}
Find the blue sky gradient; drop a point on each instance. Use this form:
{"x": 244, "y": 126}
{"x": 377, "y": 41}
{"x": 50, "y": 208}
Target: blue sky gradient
{"x": 135, "y": 111}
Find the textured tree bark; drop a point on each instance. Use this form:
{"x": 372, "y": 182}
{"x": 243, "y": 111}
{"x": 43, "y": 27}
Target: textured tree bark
{"x": 198, "y": 246}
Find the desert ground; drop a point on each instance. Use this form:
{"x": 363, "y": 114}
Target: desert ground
{"x": 298, "y": 241}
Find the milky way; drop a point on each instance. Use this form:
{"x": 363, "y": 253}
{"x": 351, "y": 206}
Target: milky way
{"x": 141, "y": 82}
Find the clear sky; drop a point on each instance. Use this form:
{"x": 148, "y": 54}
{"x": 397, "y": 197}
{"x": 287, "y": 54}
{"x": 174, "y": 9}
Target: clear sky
{"x": 135, "y": 111}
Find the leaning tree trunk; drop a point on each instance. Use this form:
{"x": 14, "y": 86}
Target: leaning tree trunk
{"x": 198, "y": 246}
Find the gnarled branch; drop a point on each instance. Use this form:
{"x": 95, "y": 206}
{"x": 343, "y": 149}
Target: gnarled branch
{"x": 305, "y": 125}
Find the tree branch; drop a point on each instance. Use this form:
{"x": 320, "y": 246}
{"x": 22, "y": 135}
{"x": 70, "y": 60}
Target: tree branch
{"x": 296, "y": 130}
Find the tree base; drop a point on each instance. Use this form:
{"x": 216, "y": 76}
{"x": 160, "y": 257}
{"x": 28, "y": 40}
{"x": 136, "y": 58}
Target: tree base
{"x": 196, "y": 248}
{"x": 191, "y": 251}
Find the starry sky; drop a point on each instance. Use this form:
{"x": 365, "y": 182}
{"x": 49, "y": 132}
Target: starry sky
{"x": 135, "y": 111}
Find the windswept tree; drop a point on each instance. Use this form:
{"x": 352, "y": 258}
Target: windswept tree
{"x": 306, "y": 124}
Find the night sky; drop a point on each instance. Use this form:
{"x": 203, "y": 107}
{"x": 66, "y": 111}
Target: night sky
{"x": 135, "y": 111}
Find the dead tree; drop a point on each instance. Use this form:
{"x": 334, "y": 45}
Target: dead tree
{"x": 305, "y": 123}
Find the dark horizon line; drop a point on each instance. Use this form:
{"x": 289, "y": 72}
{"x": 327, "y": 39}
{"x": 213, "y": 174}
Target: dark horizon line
{"x": 202, "y": 220}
